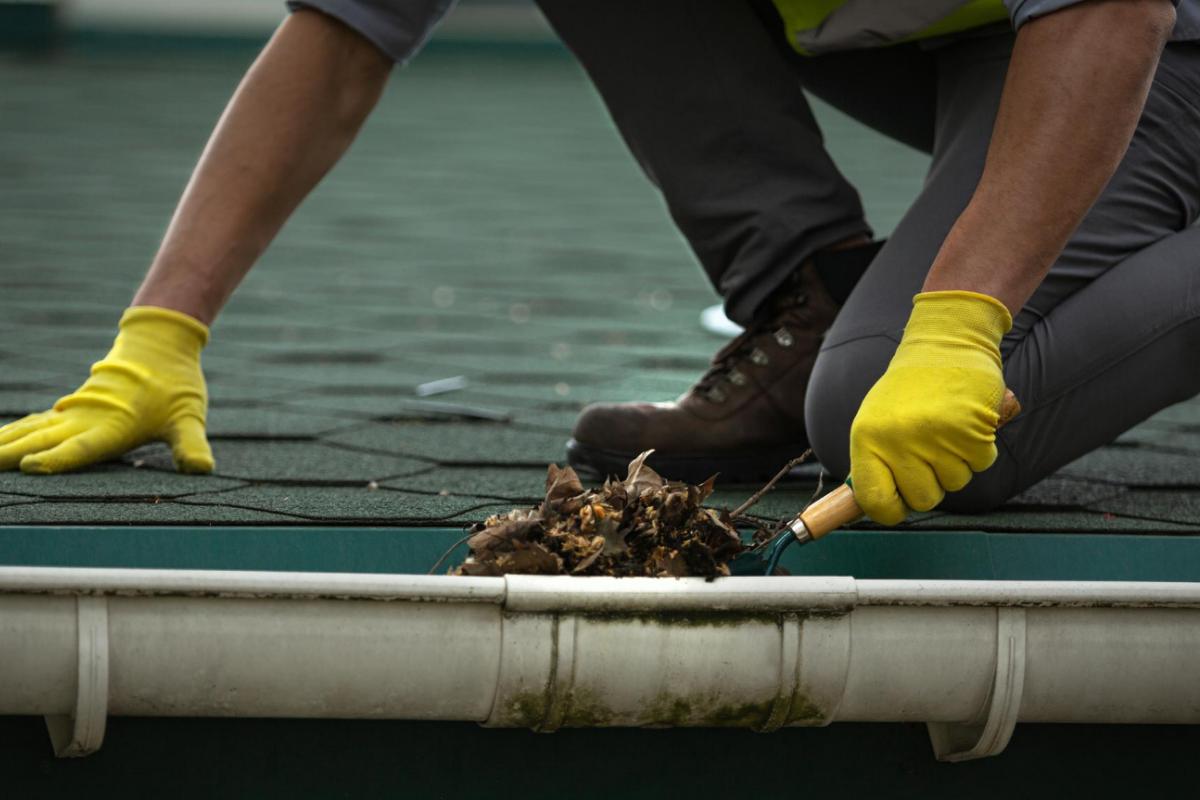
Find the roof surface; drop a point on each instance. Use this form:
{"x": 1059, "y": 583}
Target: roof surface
{"x": 488, "y": 225}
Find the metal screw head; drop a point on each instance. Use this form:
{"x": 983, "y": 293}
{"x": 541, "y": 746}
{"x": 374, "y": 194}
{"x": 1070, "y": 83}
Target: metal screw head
{"x": 784, "y": 337}
{"x": 716, "y": 394}
{"x": 759, "y": 358}
{"x": 737, "y": 378}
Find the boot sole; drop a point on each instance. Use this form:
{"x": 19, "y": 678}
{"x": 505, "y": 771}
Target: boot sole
{"x": 757, "y": 466}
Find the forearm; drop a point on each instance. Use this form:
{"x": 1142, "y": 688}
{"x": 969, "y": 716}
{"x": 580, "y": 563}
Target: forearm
{"x": 291, "y": 119}
{"x": 1075, "y": 89}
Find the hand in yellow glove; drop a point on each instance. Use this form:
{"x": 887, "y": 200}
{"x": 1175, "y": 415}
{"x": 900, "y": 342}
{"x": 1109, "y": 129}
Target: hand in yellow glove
{"x": 930, "y": 422}
{"x": 148, "y": 388}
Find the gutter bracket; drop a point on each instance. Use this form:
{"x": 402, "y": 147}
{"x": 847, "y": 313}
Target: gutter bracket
{"x": 562, "y": 674}
{"x": 822, "y": 670}
{"x": 959, "y": 742}
{"x": 82, "y": 732}
{"x": 789, "y": 673}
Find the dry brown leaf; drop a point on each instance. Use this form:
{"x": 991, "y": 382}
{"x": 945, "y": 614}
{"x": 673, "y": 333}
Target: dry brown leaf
{"x": 642, "y": 525}
{"x": 587, "y": 562}
{"x": 504, "y": 534}
{"x": 668, "y": 563}
{"x": 562, "y": 485}
{"x": 614, "y": 540}
{"x": 640, "y": 477}
{"x": 479, "y": 569}
{"x": 562, "y": 482}
{"x": 530, "y": 559}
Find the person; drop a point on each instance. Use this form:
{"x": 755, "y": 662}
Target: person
{"x": 1051, "y": 248}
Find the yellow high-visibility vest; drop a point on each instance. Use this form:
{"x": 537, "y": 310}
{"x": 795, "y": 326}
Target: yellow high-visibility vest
{"x": 821, "y": 26}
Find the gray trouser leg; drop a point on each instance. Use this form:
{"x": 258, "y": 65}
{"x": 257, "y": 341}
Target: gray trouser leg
{"x": 1113, "y": 333}
{"x": 710, "y": 103}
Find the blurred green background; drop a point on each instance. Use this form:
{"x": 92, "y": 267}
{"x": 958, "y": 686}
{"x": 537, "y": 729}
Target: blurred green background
{"x": 38, "y": 24}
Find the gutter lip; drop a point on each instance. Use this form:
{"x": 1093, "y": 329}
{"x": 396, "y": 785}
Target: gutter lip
{"x": 601, "y": 595}
{"x": 1030, "y": 594}
{"x": 249, "y": 584}
{"x": 738, "y": 594}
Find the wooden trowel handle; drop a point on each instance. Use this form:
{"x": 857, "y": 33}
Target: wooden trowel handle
{"x": 839, "y": 508}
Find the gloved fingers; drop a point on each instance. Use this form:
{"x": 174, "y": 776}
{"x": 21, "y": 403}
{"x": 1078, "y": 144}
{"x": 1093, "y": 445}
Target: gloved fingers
{"x": 917, "y": 483}
{"x": 189, "y": 446}
{"x": 23, "y": 426}
{"x": 37, "y": 440}
{"x": 875, "y": 490}
{"x": 981, "y": 456}
{"x": 100, "y": 443}
{"x": 952, "y": 472}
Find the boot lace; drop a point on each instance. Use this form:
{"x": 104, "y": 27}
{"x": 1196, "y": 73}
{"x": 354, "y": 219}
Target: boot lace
{"x": 726, "y": 364}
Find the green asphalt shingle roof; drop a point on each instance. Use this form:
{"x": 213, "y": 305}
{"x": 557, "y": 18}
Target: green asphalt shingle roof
{"x": 488, "y": 224}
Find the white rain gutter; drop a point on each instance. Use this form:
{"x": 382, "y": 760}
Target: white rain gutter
{"x": 970, "y": 658}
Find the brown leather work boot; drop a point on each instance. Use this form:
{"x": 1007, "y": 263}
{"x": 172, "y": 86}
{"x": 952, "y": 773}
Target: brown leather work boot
{"x": 743, "y": 419}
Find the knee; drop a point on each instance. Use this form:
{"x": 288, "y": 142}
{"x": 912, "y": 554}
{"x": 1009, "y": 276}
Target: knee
{"x": 840, "y": 380}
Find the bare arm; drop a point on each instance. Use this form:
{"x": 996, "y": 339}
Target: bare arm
{"x": 295, "y": 113}
{"x": 1074, "y": 93}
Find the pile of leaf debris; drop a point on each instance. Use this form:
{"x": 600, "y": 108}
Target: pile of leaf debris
{"x": 643, "y": 525}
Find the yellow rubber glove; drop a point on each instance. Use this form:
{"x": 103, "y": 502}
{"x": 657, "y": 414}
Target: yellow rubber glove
{"x": 148, "y": 388}
{"x": 930, "y": 422}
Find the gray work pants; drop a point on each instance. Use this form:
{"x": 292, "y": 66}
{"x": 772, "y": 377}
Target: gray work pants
{"x": 709, "y": 100}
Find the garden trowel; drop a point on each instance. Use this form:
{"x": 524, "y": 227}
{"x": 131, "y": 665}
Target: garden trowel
{"x": 835, "y": 510}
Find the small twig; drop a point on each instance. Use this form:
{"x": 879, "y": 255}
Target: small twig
{"x": 779, "y": 524}
{"x": 453, "y": 547}
{"x": 754, "y": 498}
{"x": 817, "y": 492}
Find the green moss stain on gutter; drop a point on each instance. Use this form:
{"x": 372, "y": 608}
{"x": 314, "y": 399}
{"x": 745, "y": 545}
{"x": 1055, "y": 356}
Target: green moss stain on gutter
{"x": 666, "y": 709}
{"x": 702, "y": 710}
{"x": 686, "y": 619}
{"x": 581, "y": 707}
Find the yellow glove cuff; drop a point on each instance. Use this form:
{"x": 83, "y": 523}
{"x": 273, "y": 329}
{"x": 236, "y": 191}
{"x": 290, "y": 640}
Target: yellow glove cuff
{"x": 946, "y": 326}
{"x": 165, "y": 329}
